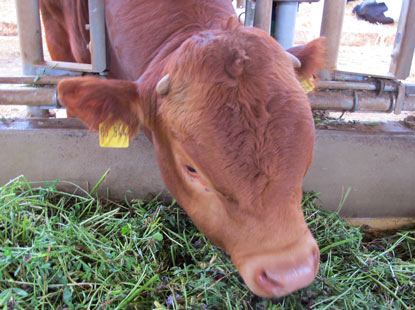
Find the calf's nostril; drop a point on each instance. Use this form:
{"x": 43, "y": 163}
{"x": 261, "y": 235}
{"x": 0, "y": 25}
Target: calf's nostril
{"x": 283, "y": 281}
{"x": 271, "y": 279}
{"x": 281, "y": 274}
{"x": 268, "y": 282}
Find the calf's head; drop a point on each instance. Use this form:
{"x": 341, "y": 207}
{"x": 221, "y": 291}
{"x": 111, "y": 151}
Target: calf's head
{"x": 233, "y": 134}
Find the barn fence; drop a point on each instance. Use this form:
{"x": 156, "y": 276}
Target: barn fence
{"x": 336, "y": 91}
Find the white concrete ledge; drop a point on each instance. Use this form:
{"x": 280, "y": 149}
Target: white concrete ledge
{"x": 377, "y": 165}
{"x": 45, "y": 150}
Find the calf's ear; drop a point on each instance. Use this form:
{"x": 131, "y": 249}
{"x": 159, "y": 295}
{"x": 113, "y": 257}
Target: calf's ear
{"x": 312, "y": 57}
{"x": 95, "y": 101}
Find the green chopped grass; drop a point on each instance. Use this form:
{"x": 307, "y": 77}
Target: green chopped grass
{"x": 76, "y": 251}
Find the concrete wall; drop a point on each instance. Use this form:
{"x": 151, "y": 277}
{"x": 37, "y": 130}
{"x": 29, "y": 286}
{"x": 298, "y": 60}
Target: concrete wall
{"x": 379, "y": 169}
{"x": 378, "y": 166}
{"x": 45, "y": 150}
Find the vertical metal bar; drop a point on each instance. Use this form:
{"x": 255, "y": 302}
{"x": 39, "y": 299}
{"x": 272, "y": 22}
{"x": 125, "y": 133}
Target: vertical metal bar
{"x": 30, "y": 38}
{"x": 400, "y": 98}
{"x": 403, "y": 50}
{"x": 249, "y": 13}
{"x": 30, "y": 35}
{"x": 97, "y": 46}
{"x": 331, "y": 28}
{"x": 285, "y": 16}
{"x": 263, "y": 13}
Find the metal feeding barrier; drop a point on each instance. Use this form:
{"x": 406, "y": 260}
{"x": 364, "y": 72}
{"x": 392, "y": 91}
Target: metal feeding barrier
{"x": 40, "y": 72}
{"x": 346, "y": 91}
{"x": 31, "y": 41}
{"x": 336, "y": 90}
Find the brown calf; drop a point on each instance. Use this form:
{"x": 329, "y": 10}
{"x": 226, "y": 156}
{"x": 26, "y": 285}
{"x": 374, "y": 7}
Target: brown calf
{"x": 231, "y": 126}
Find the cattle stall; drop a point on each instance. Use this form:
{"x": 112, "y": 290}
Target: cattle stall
{"x": 375, "y": 166}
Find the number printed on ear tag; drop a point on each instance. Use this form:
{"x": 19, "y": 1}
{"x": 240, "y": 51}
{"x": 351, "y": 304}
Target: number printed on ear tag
{"x": 307, "y": 85}
{"x": 116, "y": 136}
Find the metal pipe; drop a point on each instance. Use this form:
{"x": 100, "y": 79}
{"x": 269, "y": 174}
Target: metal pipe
{"x": 66, "y": 67}
{"x": 372, "y": 86}
{"x": 358, "y": 101}
{"x": 30, "y": 38}
{"x": 31, "y": 48}
{"x": 263, "y": 14}
{"x": 285, "y": 16}
{"x": 29, "y": 96}
{"x": 30, "y": 35}
{"x": 249, "y": 13}
{"x": 400, "y": 98}
{"x": 346, "y": 101}
{"x": 331, "y": 28}
{"x": 97, "y": 45}
{"x": 36, "y": 80}
{"x": 410, "y": 89}
{"x": 403, "y": 50}
{"x": 320, "y": 100}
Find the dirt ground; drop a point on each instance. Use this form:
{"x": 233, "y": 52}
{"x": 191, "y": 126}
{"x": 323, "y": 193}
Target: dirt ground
{"x": 364, "y": 47}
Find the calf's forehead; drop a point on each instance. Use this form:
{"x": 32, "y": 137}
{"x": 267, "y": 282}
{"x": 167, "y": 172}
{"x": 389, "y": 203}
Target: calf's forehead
{"x": 225, "y": 74}
{"x": 253, "y": 122}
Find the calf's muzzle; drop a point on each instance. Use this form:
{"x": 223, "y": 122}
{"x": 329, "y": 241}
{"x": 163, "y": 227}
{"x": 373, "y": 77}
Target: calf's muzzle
{"x": 280, "y": 273}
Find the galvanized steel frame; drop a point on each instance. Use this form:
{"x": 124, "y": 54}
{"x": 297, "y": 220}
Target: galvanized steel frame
{"x": 345, "y": 91}
{"x": 337, "y": 90}
{"x": 30, "y": 37}
{"x": 404, "y": 47}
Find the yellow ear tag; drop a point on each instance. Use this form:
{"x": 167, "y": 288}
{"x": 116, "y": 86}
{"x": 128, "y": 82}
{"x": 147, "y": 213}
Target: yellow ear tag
{"x": 307, "y": 85}
{"x": 116, "y": 137}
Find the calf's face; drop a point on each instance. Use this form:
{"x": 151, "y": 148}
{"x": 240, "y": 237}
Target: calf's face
{"x": 233, "y": 134}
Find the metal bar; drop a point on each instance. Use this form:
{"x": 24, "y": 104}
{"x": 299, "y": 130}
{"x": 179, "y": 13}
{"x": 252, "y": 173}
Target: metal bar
{"x": 31, "y": 40}
{"x": 340, "y": 85}
{"x": 285, "y": 16}
{"x": 36, "y": 80}
{"x": 345, "y": 100}
{"x": 29, "y": 96}
{"x": 331, "y": 28}
{"x": 400, "y": 98}
{"x": 410, "y": 89}
{"x": 404, "y": 46}
{"x": 355, "y": 76}
{"x": 97, "y": 45}
{"x": 65, "y": 66}
{"x": 249, "y": 13}
{"x": 30, "y": 37}
{"x": 263, "y": 13}
{"x": 362, "y": 101}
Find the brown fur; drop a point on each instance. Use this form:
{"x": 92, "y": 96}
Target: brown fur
{"x": 312, "y": 57}
{"x": 95, "y": 101}
{"x": 238, "y": 111}
{"x": 235, "y": 112}
{"x": 65, "y": 31}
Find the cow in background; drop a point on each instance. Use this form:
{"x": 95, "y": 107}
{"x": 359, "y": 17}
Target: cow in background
{"x": 231, "y": 126}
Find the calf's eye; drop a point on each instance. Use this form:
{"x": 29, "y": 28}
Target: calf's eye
{"x": 191, "y": 169}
